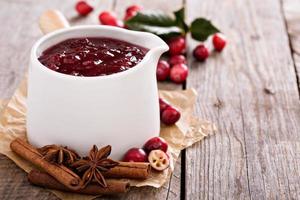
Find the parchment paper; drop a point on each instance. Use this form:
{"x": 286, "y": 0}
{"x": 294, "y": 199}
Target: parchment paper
{"x": 187, "y": 131}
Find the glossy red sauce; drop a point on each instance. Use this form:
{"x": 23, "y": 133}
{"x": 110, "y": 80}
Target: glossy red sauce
{"x": 92, "y": 56}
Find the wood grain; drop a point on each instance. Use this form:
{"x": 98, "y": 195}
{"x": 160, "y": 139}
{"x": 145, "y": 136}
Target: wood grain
{"x": 255, "y": 154}
{"x": 291, "y": 11}
{"x": 14, "y": 184}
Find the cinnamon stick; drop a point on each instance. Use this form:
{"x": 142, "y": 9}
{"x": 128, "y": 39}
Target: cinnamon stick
{"x": 59, "y": 172}
{"x": 133, "y": 170}
{"x": 43, "y": 179}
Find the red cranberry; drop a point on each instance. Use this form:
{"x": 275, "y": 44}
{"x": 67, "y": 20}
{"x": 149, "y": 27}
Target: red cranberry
{"x": 158, "y": 160}
{"x": 177, "y": 45}
{"x": 156, "y": 143}
{"x": 162, "y": 105}
{"x": 108, "y": 18}
{"x": 135, "y": 155}
{"x": 170, "y": 116}
{"x": 129, "y": 16}
{"x": 132, "y": 11}
{"x": 179, "y": 73}
{"x": 219, "y": 41}
{"x": 162, "y": 70}
{"x": 133, "y": 8}
{"x": 83, "y": 8}
{"x": 177, "y": 59}
{"x": 201, "y": 52}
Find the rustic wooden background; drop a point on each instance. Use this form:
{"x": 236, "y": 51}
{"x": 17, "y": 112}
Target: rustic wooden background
{"x": 251, "y": 92}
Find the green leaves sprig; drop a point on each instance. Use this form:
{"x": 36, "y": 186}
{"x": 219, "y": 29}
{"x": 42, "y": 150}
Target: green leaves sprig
{"x": 167, "y": 26}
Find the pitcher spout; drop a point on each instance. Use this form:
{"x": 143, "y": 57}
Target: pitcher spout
{"x": 155, "y": 44}
{"x": 158, "y": 51}
{"x": 159, "y": 47}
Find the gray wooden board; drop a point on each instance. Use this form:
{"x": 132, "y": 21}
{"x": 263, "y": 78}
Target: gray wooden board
{"x": 291, "y": 11}
{"x": 256, "y": 152}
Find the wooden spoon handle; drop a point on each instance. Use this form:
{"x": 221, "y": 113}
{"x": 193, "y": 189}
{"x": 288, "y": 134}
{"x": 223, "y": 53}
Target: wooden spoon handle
{"x": 52, "y": 20}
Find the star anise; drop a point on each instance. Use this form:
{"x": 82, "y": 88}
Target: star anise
{"x": 58, "y": 154}
{"x": 91, "y": 167}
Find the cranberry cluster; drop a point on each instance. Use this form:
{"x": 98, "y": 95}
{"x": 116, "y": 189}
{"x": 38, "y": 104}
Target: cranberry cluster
{"x": 175, "y": 68}
{"x": 154, "y": 151}
{"x": 201, "y": 52}
{"x": 107, "y": 17}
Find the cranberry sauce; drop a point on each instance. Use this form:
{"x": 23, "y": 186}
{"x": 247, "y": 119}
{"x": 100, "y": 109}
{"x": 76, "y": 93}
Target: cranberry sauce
{"x": 92, "y": 56}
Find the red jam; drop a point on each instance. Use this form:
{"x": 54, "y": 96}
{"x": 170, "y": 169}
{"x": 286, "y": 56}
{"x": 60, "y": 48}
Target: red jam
{"x": 92, "y": 56}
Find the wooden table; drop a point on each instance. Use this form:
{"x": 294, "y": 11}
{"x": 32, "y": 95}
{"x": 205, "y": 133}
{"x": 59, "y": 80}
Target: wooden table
{"x": 250, "y": 91}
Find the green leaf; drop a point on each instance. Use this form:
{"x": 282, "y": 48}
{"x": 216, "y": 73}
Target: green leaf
{"x": 152, "y": 18}
{"x": 179, "y": 16}
{"x": 202, "y": 28}
{"x": 155, "y": 22}
{"x": 164, "y": 32}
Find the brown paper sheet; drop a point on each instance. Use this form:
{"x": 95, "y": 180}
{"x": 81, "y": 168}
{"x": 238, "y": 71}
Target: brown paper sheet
{"x": 186, "y": 132}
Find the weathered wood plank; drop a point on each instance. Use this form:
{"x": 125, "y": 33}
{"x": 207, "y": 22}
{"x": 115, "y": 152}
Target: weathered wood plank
{"x": 171, "y": 190}
{"x": 14, "y": 184}
{"x": 255, "y": 154}
{"x": 292, "y": 16}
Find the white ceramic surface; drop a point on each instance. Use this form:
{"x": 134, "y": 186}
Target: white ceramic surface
{"x": 121, "y": 109}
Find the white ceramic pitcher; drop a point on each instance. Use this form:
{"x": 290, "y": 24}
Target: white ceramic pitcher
{"x": 121, "y": 109}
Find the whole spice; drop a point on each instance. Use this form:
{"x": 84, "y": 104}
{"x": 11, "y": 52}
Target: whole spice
{"x": 91, "y": 167}
{"x": 58, "y": 154}
{"x": 43, "y": 179}
{"x": 132, "y": 170}
{"x": 64, "y": 175}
